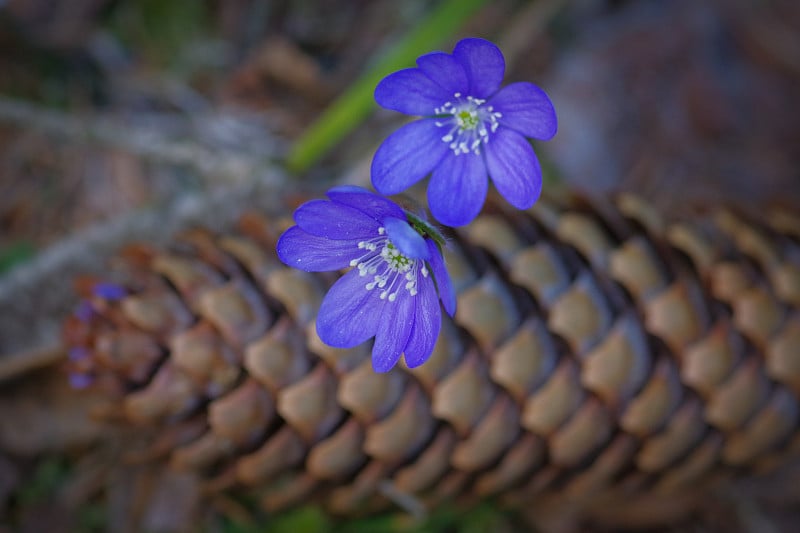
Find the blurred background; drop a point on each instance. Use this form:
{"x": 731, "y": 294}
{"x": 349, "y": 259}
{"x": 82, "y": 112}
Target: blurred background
{"x": 109, "y": 108}
{"x": 110, "y": 105}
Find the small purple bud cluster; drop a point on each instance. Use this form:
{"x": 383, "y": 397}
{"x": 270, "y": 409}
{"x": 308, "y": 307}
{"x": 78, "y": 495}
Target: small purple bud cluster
{"x": 80, "y": 366}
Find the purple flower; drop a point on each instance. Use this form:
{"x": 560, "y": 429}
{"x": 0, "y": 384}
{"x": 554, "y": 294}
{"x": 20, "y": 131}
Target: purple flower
{"x": 109, "y": 291}
{"x": 80, "y": 381}
{"x": 469, "y": 130}
{"x": 397, "y": 277}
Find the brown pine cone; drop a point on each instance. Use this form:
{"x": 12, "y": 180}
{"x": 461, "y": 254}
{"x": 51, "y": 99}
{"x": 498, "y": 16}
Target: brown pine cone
{"x": 601, "y": 359}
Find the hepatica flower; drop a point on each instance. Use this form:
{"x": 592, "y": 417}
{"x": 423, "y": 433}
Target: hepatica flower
{"x": 397, "y": 274}
{"x": 470, "y": 129}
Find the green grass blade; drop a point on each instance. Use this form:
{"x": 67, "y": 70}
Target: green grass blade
{"x": 352, "y": 107}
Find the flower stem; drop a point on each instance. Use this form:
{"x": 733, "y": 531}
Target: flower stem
{"x": 356, "y": 103}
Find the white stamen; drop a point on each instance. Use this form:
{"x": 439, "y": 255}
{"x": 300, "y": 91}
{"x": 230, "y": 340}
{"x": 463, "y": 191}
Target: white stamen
{"x": 390, "y": 269}
{"x": 470, "y": 123}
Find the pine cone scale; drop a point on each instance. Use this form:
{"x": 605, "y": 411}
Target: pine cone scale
{"x": 598, "y": 349}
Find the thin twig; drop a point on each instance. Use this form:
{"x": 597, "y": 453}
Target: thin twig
{"x": 404, "y": 500}
{"x": 152, "y": 143}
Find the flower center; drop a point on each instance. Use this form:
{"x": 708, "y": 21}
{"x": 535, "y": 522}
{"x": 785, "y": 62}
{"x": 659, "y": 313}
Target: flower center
{"x": 396, "y": 260}
{"x": 470, "y": 123}
{"x": 390, "y": 269}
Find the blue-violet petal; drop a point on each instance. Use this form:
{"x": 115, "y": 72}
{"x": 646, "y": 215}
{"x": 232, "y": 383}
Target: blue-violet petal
{"x": 443, "y": 283}
{"x": 514, "y": 168}
{"x": 411, "y": 92}
{"x": 526, "y": 109}
{"x": 350, "y": 314}
{"x": 446, "y": 71}
{"x": 458, "y": 189}
{"x": 393, "y": 335}
{"x": 368, "y": 202}
{"x": 406, "y": 156}
{"x": 334, "y": 221}
{"x": 484, "y": 64}
{"x": 410, "y": 243}
{"x": 427, "y": 323}
{"x": 310, "y": 253}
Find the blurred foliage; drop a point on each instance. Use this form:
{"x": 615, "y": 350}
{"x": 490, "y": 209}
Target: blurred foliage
{"x": 163, "y": 37}
{"x": 14, "y": 254}
{"x": 47, "y": 476}
{"x": 42, "y": 487}
{"x": 551, "y": 176}
{"x": 161, "y": 32}
{"x": 483, "y": 518}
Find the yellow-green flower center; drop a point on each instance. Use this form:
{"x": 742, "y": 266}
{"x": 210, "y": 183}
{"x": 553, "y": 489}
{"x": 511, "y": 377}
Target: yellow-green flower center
{"x": 395, "y": 259}
{"x": 470, "y": 123}
{"x": 467, "y": 119}
{"x": 390, "y": 269}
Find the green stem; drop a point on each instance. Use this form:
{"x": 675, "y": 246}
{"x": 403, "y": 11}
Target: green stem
{"x": 352, "y": 107}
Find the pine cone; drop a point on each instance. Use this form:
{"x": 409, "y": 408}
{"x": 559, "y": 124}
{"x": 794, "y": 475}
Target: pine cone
{"x": 600, "y": 358}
